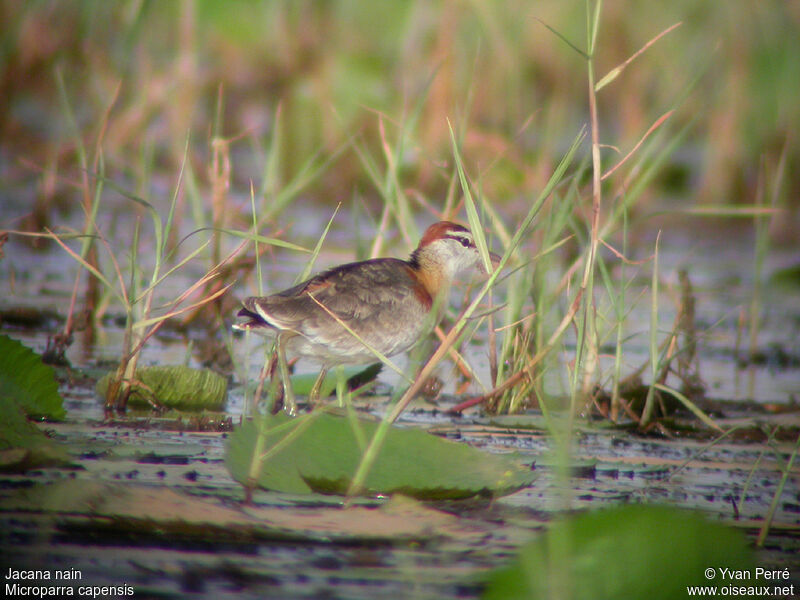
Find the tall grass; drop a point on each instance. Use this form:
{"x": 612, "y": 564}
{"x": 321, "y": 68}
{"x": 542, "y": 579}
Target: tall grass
{"x": 537, "y": 315}
{"x": 137, "y": 300}
{"x": 323, "y": 63}
{"x": 138, "y": 258}
{"x": 566, "y": 217}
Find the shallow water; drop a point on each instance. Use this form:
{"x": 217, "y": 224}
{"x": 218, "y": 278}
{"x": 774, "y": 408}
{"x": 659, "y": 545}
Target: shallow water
{"x": 721, "y": 274}
{"x": 734, "y": 480}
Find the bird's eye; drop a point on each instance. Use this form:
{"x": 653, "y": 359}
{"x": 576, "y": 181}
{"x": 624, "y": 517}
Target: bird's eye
{"x": 464, "y": 242}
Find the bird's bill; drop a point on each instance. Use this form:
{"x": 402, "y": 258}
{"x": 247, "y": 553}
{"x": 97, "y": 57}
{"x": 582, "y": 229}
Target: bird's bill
{"x": 495, "y": 260}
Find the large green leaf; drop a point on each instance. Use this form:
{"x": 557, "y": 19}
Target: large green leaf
{"x": 355, "y": 377}
{"x": 27, "y": 381}
{"x": 22, "y": 445}
{"x": 175, "y": 386}
{"x": 632, "y": 552}
{"x": 320, "y": 452}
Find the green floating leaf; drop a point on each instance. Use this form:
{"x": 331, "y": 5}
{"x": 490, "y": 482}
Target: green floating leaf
{"x": 787, "y": 278}
{"x": 354, "y": 376}
{"x": 176, "y": 387}
{"x": 320, "y": 453}
{"x": 22, "y": 445}
{"x": 632, "y": 552}
{"x": 27, "y": 381}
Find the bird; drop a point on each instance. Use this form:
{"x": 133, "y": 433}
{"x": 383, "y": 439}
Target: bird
{"x": 350, "y": 313}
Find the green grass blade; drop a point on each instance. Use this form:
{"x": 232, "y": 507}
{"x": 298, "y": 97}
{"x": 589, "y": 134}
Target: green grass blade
{"x": 472, "y": 211}
{"x": 691, "y": 406}
{"x": 317, "y": 248}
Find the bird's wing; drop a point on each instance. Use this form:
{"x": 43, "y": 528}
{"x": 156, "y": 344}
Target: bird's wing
{"x": 363, "y": 290}
{"x": 360, "y": 290}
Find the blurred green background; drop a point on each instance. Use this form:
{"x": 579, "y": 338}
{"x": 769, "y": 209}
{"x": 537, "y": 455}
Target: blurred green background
{"x": 340, "y": 70}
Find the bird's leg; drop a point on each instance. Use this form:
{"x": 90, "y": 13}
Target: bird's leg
{"x": 275, "y": 383}
{"x": 268, "y": 370}
{"x": 288, "y": 395}
{"x": 313, "y": 396}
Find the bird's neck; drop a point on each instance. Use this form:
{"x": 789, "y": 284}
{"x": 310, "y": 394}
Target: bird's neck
{"x": 430, "y": 273}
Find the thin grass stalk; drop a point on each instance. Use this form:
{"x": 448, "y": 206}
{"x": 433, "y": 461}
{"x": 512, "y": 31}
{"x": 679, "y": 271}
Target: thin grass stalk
{"x": 155, "y": 323}
{"x": 91, "y": 201}
{"x": 480, "y": 242}
{"x": 585, "y": 357}
{"x": 167, "y": 243}
{"x": 689, "y": 405}
{"x": 352, "y": 416}
{"x": 249, "y": 237}
{"x": 132, "y": 336}
{"x": 513, "y": 318}
{"x": 472, "y": 211}
{"x": 341, "y": 387}
{"x": 649, "y": 405}
{"x": 617, "y": 71}
{"x": 392, "y": 187}
{"x": 271, "y": 177}
{"x": 544, "y": 347}
{"x": 703, "y": 449}
{"x": 195, "y": 199}
{"x": 383, "y": 224}
{"x": 309, "y": 266}
{"x": 173, "y": 310}
{"x": 750, "y": 475}
{"x": 261, "y": 454}
{"x": 762, "y": 244}
{"x": 773, "y": 507}
{"x": 220, "y": 174}
{"x": 387, "y": 184}
{"x": 543, "y": 297}
{"x": 120, "y": 385}
{"x": 620, "y": 315}
{"x": 560, "y": 546}
{"x": 761, "y": 248}
{"x": 249, "y": 408}
{"x": 449, "y": 208}
{"x": 492, "y": 344}
{"x": 586, "y": 349}
{"x": 86, "y": 255}
{"x": 266, "y": 369}
{"x": 139, "y": 311}
{"x": 407, "y": 126}
{"x": 458, "y": 359}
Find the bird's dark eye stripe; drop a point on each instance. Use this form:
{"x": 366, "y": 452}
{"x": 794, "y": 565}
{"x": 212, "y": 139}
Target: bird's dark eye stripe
{"x": 464, "y": 241}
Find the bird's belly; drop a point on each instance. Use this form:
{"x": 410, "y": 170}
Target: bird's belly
{"x": 334, "y": 345}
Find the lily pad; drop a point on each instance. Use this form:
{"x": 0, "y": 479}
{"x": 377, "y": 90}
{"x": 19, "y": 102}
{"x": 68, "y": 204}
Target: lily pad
{"x": 175, "y": 386}
{"x": 355, "y": 377}
{"x": 788, "y": 277}
{"x": 633, "y": 552}
{"x": 27, "y": 381}
{"x": 22, "y": 445}
{"x": 320, "y": 452}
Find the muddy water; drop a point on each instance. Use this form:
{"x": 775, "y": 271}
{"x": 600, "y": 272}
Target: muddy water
{"x": 734, "y": 480}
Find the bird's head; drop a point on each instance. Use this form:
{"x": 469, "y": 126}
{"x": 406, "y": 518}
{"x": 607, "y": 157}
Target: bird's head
{"x": 450, "y": 249}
